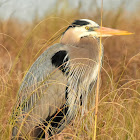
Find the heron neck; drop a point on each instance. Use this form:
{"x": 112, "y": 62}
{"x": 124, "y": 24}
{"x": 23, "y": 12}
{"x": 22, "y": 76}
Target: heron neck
{"x": 87, "y": 44}
{"x": 92, "y": 45}
{"x": 70, "y": 37}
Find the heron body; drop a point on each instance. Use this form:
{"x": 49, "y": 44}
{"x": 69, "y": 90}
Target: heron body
{"x": 58, "y": 82}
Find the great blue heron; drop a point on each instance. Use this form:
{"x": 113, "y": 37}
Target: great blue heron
{"x": 59, "y": 80}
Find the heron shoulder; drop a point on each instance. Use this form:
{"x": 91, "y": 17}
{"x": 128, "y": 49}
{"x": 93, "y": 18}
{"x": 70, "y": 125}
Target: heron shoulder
{"x": 42, "y": 67}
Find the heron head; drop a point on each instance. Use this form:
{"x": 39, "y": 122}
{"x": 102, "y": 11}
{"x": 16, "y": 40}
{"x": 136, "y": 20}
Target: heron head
{"x": 86, "y": 27}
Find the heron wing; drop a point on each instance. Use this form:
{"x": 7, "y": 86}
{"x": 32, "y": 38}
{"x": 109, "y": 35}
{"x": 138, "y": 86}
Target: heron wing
{"x": 42, "y": 91}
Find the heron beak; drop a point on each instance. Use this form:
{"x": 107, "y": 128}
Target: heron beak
{"x": 104, "y": 32}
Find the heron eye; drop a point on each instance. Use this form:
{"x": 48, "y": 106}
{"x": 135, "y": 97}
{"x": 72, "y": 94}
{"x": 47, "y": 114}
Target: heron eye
{"x": 87, "y": 28}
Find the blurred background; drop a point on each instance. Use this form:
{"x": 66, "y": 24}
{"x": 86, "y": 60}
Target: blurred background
{"x": 27, "y": 28}
{"x": 28, "y": 10}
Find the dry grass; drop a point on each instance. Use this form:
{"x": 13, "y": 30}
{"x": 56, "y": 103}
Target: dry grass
{"x": 119, "y": 97}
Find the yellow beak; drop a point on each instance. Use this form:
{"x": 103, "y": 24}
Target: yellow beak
{"x": 103, "y": 31}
